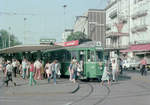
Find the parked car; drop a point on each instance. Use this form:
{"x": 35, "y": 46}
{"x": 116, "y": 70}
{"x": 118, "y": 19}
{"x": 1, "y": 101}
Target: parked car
{"x": 131, "y": 65}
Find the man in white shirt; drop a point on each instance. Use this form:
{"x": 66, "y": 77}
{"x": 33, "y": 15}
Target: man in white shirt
{"x": 114, "y": 69}
{"x": 8, "y": 73}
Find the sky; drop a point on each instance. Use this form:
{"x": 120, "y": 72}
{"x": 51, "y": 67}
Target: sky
{"x": 31, "y": 20}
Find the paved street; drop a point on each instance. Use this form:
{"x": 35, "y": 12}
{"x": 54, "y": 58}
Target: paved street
{"x": 132, "y": 89}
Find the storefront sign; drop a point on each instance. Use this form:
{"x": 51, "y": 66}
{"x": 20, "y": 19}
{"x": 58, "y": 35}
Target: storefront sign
{"x": 71, "y": 43}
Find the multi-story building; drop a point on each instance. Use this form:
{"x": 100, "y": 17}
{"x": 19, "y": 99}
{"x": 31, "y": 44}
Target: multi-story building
{"x": 66, "y": 33}
{"x": 81, "y": 24}
{"x": 117, "y": 25}
{"x": 128, "y": 26}
{"x": 92, "y": 23}
{"x": 140, "y": 21}
{"x": 139, "y": 29}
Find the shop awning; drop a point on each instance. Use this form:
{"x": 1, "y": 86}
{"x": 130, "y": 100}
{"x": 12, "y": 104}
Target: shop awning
{"x": 138, "y": 47}
{"x": 141, "y": 47}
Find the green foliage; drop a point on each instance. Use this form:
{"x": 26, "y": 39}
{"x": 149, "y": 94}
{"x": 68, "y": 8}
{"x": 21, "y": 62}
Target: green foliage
{"x": 4, "y": 39}
{"x": 78, "y": 36}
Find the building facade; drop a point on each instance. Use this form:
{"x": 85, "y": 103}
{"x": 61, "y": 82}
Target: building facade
{"x": 81, "y": 24}
{"x": 66, "y": 33}
{"x": 92, "y": 23}
{"x": 140, "y": 30}
{"x": 140, "y": 21}
{"x": 117, "y": 24}
{"x": 128, "y": 27}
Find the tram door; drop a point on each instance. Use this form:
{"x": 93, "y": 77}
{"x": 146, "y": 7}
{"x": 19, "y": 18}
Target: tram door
{"x": 82, "y": 58}
{"x": 90, "y": 67}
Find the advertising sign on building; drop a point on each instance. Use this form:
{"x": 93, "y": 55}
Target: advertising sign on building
{"x": 71, "y": 43}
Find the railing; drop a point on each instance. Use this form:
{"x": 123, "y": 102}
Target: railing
{"x": 116, "y": 46}
{"x": 139, "y": 14}
{"x": 139, "y": 42}
{"x": 115, "y": 34}
{"x": 140, "y": 28}
{"x": 113, "y": 14}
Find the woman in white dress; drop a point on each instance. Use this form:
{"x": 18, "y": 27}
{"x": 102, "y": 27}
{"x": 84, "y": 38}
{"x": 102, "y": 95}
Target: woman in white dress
{"x": 106, "y": 74}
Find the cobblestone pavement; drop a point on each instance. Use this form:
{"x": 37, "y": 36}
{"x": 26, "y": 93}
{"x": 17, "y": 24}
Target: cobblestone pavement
{"x": 131, "y": 89}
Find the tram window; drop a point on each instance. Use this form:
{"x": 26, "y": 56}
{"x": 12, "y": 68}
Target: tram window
{"x": 74, "y": 54}
{"x": 99, "y": 55}
{"x": 88, "y": 55}
{"x": 92, "y": 56}
{"x": 81, "y": 55}
{"x": 63, "y": 57}
{"x": 68, "y": 56}
{"x": 82, "y": 52}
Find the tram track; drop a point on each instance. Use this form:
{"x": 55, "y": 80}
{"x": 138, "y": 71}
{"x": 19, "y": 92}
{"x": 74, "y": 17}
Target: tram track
{"x": 84, "y": 97}
{"x": 89, "y": 93}
{"x": 102, "y": 99}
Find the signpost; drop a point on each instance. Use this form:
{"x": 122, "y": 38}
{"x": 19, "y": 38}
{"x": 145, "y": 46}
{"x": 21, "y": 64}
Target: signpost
{"x": 47, "y": 41}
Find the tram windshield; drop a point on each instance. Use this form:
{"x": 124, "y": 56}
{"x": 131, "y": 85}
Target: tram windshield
{"x": 99, "y": 56}
{"x": 90, "y": 56}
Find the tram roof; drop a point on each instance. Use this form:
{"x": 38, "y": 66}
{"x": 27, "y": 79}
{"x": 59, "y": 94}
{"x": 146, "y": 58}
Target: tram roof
{"x": 88, "y": 44}
{"x": 28, "y": 48}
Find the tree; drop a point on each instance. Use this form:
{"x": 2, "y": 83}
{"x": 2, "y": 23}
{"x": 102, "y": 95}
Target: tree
{"x": 78, "y": 36}
{"x": 4, "y": 39}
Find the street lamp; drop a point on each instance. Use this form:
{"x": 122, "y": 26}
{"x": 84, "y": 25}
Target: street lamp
{"x": 9, "y": 37}
{"x": 24, "y": 31}
{"x": 64, "y": 6}
{"x": 1, "y": 39}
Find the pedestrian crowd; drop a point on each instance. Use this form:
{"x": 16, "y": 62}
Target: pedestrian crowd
{"x": 75, "y": 69}
{"x": 29, "y": 70}
{"x": 37, "y": 70}
{"x": 113, "y": 68}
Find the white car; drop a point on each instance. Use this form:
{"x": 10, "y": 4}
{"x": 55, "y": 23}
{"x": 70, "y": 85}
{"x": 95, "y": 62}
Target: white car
{"x": 130, "y": 65}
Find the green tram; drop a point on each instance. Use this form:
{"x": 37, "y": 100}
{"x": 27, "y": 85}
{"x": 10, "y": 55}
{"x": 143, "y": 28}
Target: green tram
{"x": 90, "y": 53}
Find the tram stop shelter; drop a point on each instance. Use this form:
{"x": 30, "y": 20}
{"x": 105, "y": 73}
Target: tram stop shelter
{"x": 29, "y": 48}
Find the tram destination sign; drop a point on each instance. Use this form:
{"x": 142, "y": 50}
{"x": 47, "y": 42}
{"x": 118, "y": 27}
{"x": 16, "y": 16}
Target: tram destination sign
{"x": 98, "y": 45}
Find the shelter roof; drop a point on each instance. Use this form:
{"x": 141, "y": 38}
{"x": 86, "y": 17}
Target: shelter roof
{"x": 88, "y": 44}
{"x": 29, "y": 48}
